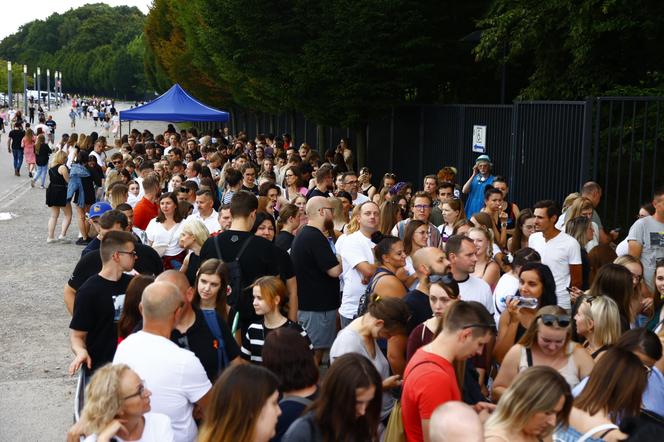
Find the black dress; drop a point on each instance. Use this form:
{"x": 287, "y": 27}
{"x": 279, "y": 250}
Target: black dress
{"x": 56, "y": 193}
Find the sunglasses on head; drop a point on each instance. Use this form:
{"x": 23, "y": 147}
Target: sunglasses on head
{"x": 551, "y": 320}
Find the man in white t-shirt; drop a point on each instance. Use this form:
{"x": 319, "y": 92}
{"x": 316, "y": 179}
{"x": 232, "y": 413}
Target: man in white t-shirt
{"x": 645, "y": 240}
{"x": 174, "y": 375}
{"x": 356, "y": 251}
{"x": 206, "y": 213}
{"x": 462, "y": 254}
{"x": 558, "y": 250}
{"x": 351, "y": 186}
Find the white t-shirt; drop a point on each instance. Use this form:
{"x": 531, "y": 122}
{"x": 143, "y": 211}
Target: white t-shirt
{"x": 157, "y": 429}
{"x": 508, "y": 285}
{"x": 356, "y": 248}
{"x": 622, "y": 248}
{"x": 211, "y": 222}
{"x": 361, "y": 198}
{"x": 650, "y": 234}
{"x": 174, "y": 375}
{"x": 156, "y": 233}
{"x": 101, "y": 158}
{"x": 476, "y": 289}
{"x": 558, "y": 253}
{"x": 411, "y": 271}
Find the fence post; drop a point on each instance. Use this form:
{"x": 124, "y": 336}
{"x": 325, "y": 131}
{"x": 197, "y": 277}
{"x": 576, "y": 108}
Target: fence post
{"x": 391, "y": 162}
{"x": 586, "y": 141}
{"x": 421, "y": 146}
{"x": 514, "y": 142}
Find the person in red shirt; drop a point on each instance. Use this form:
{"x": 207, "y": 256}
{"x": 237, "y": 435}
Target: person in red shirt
{"x": 429, "y": 378}
{"x": 148, "y": 207}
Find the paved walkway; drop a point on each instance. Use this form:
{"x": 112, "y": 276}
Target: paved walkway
{"x": 36, "y": 394}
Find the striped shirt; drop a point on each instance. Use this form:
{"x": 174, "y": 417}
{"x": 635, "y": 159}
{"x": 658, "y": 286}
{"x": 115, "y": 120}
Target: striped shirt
{"x": 254, "y": 339}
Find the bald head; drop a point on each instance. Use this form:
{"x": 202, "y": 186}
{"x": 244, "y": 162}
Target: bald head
{"x": 159, "y": 301}
{"x": 455, "y": 421}
{"x": 315, "y": 204}
{"x": 176, "y": 278}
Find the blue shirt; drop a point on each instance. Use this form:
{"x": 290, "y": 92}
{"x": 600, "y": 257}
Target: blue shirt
{"x": 475, "y": 200}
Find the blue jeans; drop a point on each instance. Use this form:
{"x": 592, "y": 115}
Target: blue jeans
{"x": 18, "y": 158}
{"x": 41, "y": 172}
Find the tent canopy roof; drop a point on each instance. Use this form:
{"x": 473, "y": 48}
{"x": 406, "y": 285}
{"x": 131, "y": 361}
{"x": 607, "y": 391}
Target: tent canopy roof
{"x": 174, "y": 105}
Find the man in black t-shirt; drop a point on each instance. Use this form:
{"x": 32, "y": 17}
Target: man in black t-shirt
{"x": 93, "y": 334}
{"x": 14, "y": 147}
{"x": 51, "y": 125}
{"x": 259, "y": 258}
{"x": 323, "y": 183}
{"x": 148, "y": 262}
{"x": 317, "y": 270}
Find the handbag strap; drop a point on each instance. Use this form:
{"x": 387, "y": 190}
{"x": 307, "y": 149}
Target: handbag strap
{"x": 529, "y": 357}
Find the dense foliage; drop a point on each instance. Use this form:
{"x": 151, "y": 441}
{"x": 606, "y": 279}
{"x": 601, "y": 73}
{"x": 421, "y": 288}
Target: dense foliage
{"x": 99, "y": 49}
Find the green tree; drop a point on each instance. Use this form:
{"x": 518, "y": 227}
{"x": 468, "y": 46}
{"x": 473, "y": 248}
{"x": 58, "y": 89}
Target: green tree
{"x": 571, "y": 49}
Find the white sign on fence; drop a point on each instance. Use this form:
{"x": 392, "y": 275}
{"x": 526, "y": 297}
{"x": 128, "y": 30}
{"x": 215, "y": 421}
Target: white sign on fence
{"x": 479, "y": 139}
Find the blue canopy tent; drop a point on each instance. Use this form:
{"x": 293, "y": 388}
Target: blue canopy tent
{"x": 175, "y": 105}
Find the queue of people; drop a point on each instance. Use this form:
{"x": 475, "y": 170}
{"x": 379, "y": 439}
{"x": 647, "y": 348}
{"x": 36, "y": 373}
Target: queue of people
{"x": 211, "y": 297}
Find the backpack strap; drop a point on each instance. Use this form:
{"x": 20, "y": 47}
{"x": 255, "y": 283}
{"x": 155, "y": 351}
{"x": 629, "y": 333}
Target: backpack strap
{"x": 529, "y": 357}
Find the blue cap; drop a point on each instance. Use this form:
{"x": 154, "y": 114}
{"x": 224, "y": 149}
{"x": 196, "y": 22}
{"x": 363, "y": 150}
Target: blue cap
{"x": 98, "y": 209}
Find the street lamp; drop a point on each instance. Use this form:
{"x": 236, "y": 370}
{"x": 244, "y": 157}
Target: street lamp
{"x": 38, "y": 86}
{"x": 9, "y": 83}
{"x": 25, "y": 89}
{"x": 48, "y": 88}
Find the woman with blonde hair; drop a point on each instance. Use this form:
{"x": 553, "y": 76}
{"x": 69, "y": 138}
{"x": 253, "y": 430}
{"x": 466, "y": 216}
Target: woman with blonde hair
{"x": 340, "y": 216}
{"x": 192, "y": 236}
{"x": 547, "y": 341}
{"x": 117, "y": 406}
{"x": 56, "y": 196}
{"x": 538, "y": 401}
{"x": 582, "y": 206}
{"x": 117, "y": 194}
{"x": 598, "y": 321}
{"x": 486, "y": 267}
{"x": 243, "y": 406}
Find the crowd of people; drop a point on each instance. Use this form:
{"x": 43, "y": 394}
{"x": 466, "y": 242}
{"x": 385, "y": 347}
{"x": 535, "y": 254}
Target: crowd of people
{"x": 237, "y": 289}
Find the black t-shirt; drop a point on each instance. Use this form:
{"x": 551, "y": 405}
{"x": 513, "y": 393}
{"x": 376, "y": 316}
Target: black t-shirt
{"x": 260, "y": 258}
{"x": 312, "y": 257}
{"x": 284, "y": 240}
{"x": 420, "y": 309}
{"x": 315, "y": 192}
{"x": 200, "y": 340}
{"x": 291, "y": 409}
{"x": 148, "y": 262}
{"x": 51, "y": 124}
{"x": 95, "y": 312}
{"x": 16, "y": 136}
{"x": 286, "y": 270}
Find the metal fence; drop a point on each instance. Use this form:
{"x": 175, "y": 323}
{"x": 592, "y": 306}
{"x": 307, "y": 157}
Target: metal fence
{"x": 546, "y": 149}
{"x": 626, "y": 160}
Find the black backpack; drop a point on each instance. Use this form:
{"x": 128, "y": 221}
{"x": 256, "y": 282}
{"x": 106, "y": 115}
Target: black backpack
{"x": 364, "y": 299}
{"x": 235, "y": 276}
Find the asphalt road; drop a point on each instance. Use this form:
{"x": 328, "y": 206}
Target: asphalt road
{"x": 36, "y": 394}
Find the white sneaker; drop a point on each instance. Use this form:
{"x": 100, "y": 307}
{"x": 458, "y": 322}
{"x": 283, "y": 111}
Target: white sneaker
{"x": 63, "y": 240}
{"x": 51, "y": 240}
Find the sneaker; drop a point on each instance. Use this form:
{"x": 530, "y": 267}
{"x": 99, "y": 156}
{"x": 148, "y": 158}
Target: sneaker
{"x": 51, "y": 240}
{"x": 42, "y": 187}
{"x": 30, "y": 174}
{"x": 82, "y": 241}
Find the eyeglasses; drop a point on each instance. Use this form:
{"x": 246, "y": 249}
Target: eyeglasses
{"x": 390, "y": 175}
{"x": 550, "y": 320}
{"x": 422, "y": 207}
{"x": 116, "y": 162}
{"x": 133, "y": 253}
{"x": 139, "y": 392}
{"x": 424, "y": 233}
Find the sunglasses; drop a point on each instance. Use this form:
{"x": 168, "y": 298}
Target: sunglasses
{"x": 141, "y": 390}
{"x": 551, "y": 320}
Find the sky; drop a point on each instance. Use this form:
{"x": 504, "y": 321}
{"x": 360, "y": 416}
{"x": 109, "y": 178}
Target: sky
{"x": 17, "y": 13}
